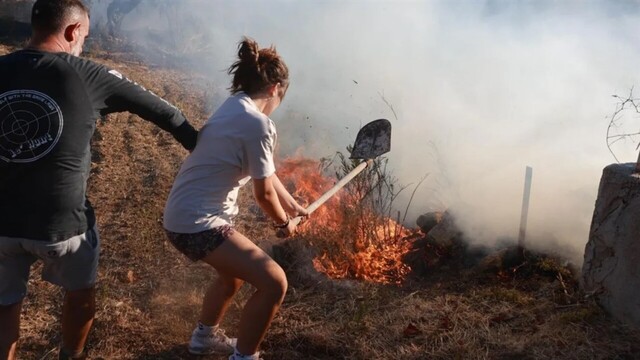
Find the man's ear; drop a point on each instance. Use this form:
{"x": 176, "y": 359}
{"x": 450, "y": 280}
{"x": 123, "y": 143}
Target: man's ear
{"x": 71, "y": 32}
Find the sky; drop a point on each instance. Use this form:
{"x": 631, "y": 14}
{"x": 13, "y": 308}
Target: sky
{"x": 476, "y": 92}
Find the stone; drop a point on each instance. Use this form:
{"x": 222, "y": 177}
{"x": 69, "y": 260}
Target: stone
{"x": 611, "y": 269}
{"x": 429, "y": 220}
{"x": 445, "y": 232}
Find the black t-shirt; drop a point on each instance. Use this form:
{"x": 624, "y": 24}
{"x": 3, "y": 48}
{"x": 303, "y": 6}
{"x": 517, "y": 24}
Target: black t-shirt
{"x": 49, "y": 104}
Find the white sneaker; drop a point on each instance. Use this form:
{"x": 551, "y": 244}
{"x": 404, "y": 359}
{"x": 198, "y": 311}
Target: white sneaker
{"x": 215, "y": 342}
{"x": 237, "y": 356}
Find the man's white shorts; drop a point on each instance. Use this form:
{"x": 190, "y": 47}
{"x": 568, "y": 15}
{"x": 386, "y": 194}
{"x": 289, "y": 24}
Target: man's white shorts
{"x": 71, "y": 264}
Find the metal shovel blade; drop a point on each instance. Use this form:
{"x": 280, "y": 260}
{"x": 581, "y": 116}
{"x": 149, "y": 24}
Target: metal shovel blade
{"x": 373, "y": 140}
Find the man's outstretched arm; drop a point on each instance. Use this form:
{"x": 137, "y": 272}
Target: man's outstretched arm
{"x": 111, "y": 92}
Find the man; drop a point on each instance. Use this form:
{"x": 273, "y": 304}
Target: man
{"x": 49, "y": 103}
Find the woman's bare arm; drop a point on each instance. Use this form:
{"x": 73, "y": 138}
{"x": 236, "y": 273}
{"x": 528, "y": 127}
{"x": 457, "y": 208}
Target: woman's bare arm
{"x": 267, "y": 197}
{"x": 287, "y": 201}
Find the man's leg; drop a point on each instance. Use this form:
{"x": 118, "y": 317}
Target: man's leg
{"x": 72, "y": 264}
{"x": 10, "y": 325}
{"x": 15, "y": 263}
{"x": 78, "y": 312}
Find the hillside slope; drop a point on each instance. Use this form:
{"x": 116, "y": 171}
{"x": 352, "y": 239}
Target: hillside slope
{"x": 149, "y": 295}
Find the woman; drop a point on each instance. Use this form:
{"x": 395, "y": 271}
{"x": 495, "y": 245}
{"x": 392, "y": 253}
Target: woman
{"x": 235, "y": 145}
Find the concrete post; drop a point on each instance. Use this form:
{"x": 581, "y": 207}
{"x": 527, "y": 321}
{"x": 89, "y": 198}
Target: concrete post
{"x": 611, "y": 269}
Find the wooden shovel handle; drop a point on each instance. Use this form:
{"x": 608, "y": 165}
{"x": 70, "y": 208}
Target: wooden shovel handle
{"x": 322, "y": 199}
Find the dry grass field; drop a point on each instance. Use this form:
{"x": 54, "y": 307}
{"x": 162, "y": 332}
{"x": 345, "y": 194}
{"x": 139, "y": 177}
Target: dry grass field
{"x": 148, "y": 294}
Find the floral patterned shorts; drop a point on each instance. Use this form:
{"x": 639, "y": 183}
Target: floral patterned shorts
{"x": 198, "y": 245}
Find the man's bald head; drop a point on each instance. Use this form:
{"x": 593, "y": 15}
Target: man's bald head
{"x": 52, "y": 16}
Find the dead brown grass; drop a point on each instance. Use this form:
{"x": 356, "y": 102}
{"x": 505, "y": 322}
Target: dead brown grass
{"x": 149, "y": 295}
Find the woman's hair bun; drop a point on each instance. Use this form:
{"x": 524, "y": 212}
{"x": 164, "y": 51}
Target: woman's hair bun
{"x": 248, "y": 51}
{"x": 257, "y": 68}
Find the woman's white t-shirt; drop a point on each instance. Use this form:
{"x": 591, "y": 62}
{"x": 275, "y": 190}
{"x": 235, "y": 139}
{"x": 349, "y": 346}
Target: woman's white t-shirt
{"x": 235, "y": 145}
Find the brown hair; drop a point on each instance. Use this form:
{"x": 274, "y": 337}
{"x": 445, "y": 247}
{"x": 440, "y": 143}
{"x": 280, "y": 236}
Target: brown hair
{"x": 257, "y": 68}
{"x": 50, "y": 16}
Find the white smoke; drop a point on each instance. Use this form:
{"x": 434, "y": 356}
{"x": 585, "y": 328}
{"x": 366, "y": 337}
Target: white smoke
{"x": 481, "y": 89}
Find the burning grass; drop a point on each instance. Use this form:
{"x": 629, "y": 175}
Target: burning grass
{"x": 353, "y": 238}
{"x": 148, "y": 294}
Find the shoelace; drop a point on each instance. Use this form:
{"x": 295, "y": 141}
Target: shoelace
{"x": 219, "y": 334}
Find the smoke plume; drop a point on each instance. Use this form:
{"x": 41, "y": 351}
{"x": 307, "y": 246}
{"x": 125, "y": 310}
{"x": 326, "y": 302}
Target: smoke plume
{"x": 476, "y": 91}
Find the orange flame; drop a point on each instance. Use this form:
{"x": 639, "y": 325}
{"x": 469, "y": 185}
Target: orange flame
{"x": 355, "y": 242}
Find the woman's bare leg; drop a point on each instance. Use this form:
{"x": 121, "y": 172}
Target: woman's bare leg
{"x": 240, "y": 258}
{"x": 217, "y": 298}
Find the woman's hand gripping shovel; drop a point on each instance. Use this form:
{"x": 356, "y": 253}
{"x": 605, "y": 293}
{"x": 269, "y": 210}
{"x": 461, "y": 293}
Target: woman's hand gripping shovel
{"x": 373, "y": 140}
